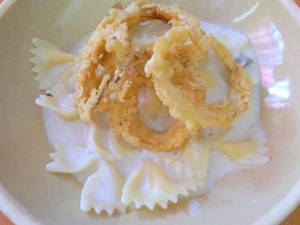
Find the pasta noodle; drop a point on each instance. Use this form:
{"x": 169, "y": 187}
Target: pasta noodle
{"x": 47, "y": 55}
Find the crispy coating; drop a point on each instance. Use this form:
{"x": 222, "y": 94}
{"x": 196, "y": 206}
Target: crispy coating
{"x": 188, "y": 104}
{"x": 124, "y": 114}
{"x": 110, "y": 47}
{"x": 173, "y": 68}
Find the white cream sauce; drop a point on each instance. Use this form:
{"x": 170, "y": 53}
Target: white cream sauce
{"x": 99, "y": 143}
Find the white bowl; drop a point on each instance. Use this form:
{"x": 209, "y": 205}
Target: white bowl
{"x": 31, "y": 195}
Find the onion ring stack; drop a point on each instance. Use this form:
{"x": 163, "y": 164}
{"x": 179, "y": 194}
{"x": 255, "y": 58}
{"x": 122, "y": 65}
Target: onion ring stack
{"x": 171, "y": 66}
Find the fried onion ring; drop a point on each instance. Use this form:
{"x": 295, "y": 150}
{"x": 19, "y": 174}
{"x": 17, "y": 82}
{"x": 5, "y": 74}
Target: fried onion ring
{"x": 108, "y": 46}
{"x": 124, "y": 114}
{"x": 182, "y": 103}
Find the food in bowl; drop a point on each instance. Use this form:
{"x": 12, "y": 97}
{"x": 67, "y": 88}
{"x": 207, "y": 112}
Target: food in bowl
{"x": 151, "y": 107}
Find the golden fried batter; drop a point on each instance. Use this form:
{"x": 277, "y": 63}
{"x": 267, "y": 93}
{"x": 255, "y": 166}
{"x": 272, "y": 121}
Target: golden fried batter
{"x": 173, "y": 68}
{"x": 109, "y": 46}
{"x": 124, "y": 115}
{"x": 188, "y": 104}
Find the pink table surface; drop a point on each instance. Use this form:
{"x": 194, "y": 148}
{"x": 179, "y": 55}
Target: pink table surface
{"x": 292, "y": 219}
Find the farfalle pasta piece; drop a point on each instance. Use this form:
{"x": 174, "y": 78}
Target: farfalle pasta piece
{"x": 50, "y": 103}
{"x": 119, "y": 147}
{"x": 61, "y": 98}
{"x": 102, "y": 191}
{"x": 70, "y": 159}
{"x": 47, "y": 55}
{"x": 102, "y": 140}
{"x": 236, "y": 150}
{"x": 248, "y": 153}
{"x": 93, "y": 142}
{"x": 150, "y": 185}
{"x": 193, "y": 159}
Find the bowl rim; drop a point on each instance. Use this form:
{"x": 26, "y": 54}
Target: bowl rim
{"x": 5, "y": 5}
{"x": 275, "y": 216}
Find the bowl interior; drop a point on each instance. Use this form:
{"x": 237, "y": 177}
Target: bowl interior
{"x": 29, "y": 194}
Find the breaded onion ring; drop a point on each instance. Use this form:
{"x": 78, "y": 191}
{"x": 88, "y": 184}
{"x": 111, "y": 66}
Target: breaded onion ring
{"x": 124, "y": 114}
{"x": 182, "y": 103}
{"x": 109, "y": 46}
